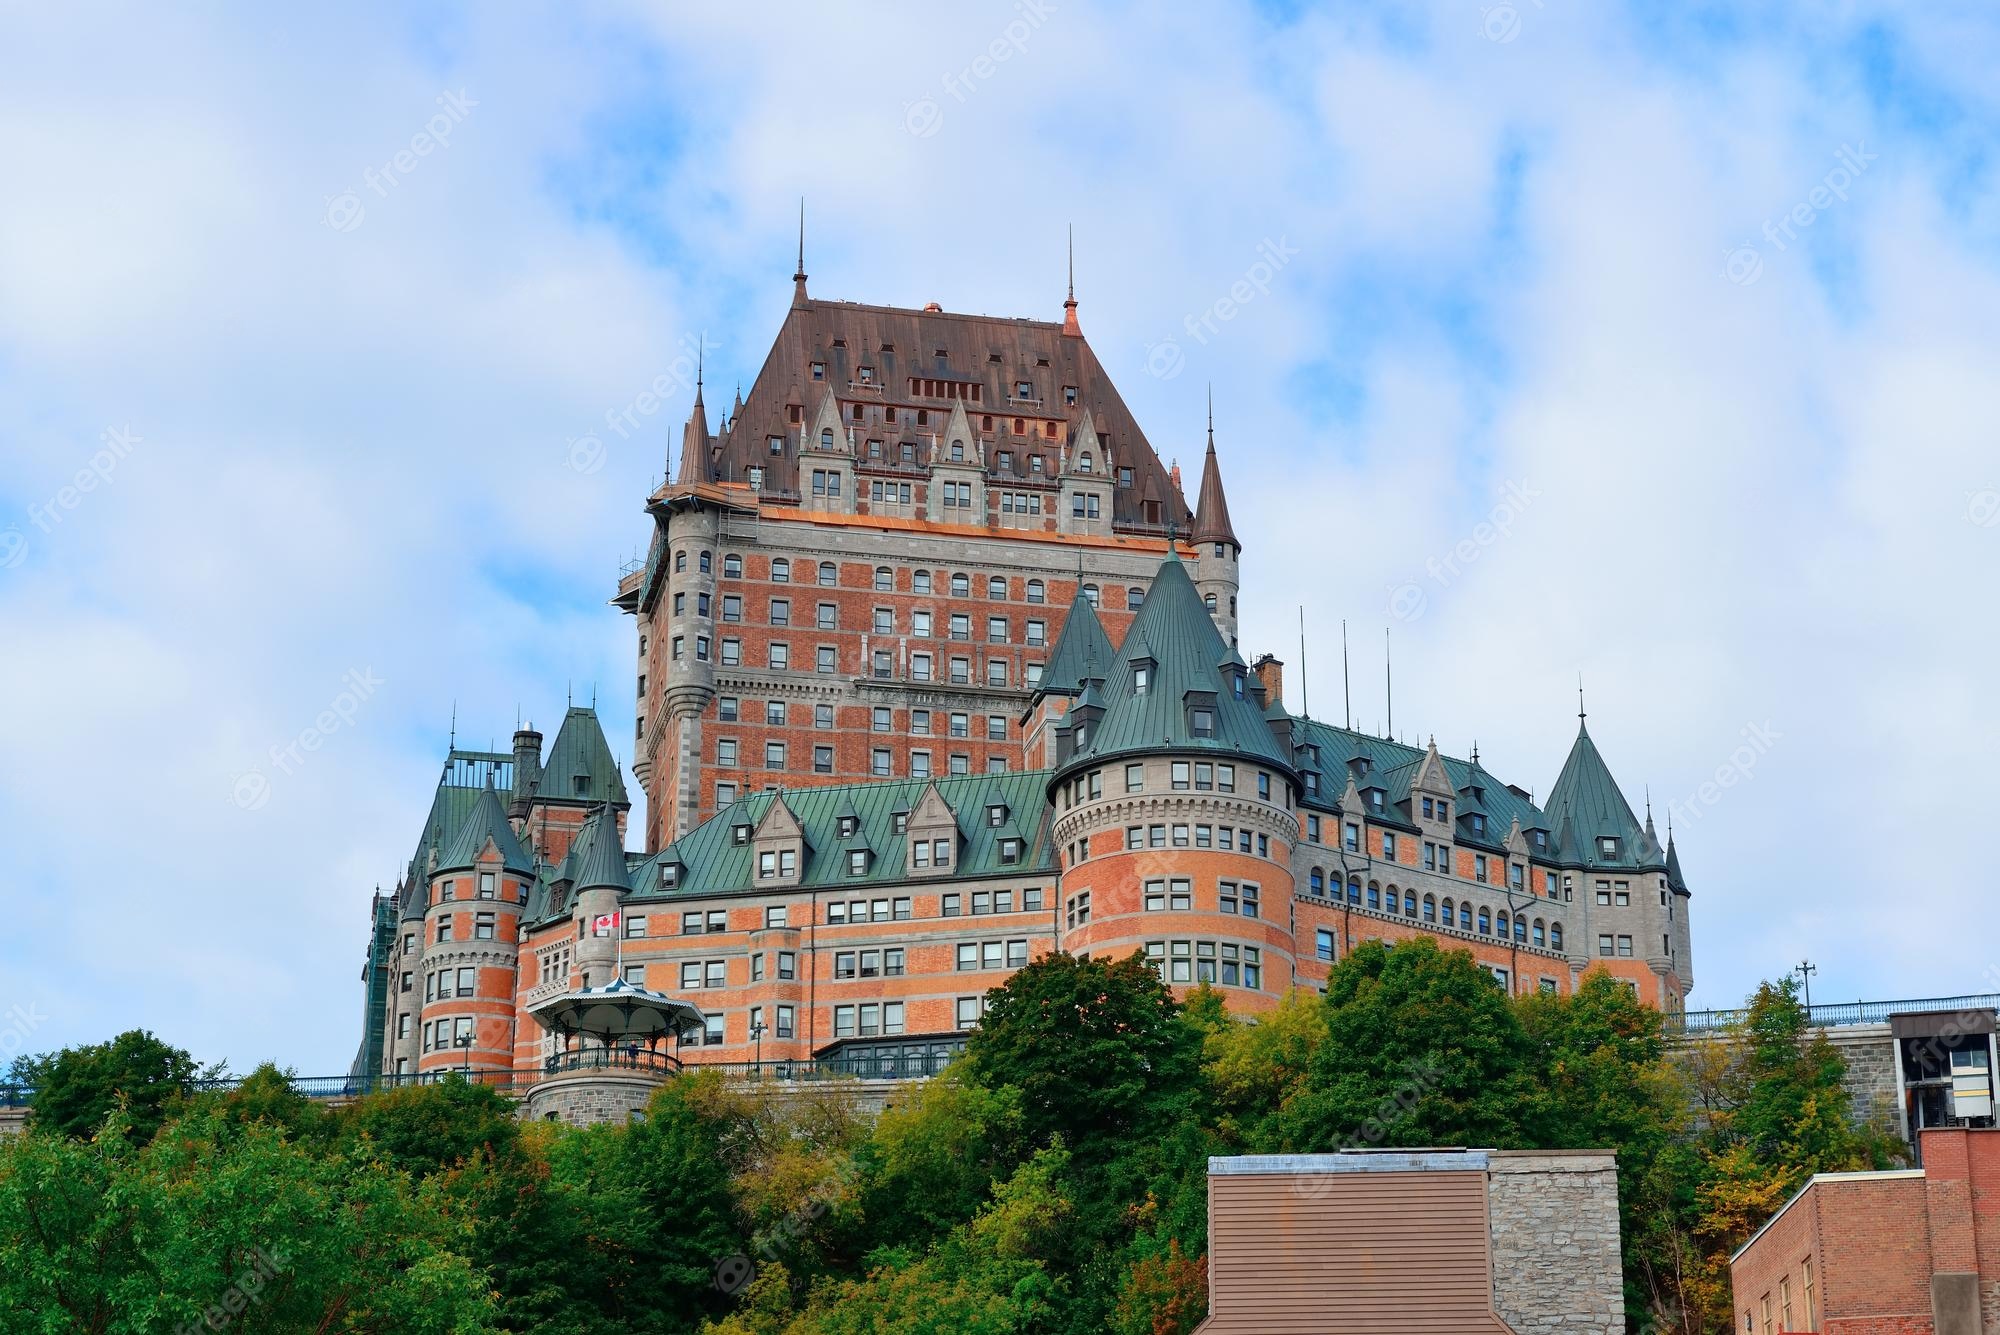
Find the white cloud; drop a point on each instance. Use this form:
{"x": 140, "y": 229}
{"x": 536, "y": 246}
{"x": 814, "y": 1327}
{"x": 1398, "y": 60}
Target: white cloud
{"x": 1751, "y": 501}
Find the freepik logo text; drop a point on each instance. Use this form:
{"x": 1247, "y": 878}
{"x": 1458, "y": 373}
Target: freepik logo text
{"x": 347, "y": 210}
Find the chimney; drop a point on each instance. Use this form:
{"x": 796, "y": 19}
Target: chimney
{"x": 527, "y": 769}
{"x": 1270, "y": 674}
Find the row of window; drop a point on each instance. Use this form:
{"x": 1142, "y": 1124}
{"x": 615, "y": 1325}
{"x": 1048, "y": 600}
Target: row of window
{"x": 483, "y": 926}
{"x": 1785, "y": 1304}
{"x": 881, "y": 718}
{"x": 487, "y": 886}
{"x": 1437, "y": 857}
{"x": 444, "y": 984}
{"x": 923, "y": 666}
{"x": 1223, "y": 962}
{"x": 1224, "y": 837}
{"x": 448, "y": 1033}
{"x": 1446, "y": 912}
{"x": 924, "y": 623}
{"x": 992, "y": 955}
{"x": 958, "y": 584}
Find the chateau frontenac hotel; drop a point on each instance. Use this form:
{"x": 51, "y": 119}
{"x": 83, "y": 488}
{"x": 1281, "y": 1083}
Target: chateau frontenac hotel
{"x": 937, "y": 673}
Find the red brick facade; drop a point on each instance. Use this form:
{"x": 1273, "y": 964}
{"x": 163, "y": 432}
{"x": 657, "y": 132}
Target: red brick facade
{"x": 1897, "y": 1253}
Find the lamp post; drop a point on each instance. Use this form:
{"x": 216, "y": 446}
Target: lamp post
{"x": 1805, "y": 970}
{"x": 757, "y": 1036}
{"x": 464, "y": 1040}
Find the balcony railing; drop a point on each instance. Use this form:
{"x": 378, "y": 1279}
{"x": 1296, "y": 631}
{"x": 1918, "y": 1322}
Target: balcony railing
{"x": 1838, "y": 1014}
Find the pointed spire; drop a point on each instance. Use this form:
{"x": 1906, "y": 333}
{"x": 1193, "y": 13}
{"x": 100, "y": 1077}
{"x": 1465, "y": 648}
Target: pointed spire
{"x": 695, "y": 440}
{"x": 1070, "y": 326}
{"x": 799, "y": 274}
{"x": 1211, "y": 511}
{"x": 603, "y": 862}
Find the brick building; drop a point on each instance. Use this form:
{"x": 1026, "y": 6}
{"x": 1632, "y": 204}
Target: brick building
{"x": 932, "y": 683}
{"x": 1913, "y": 1252}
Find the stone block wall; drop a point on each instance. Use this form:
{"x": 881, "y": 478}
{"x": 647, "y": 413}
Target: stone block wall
{"x": 1554, "y": 1221}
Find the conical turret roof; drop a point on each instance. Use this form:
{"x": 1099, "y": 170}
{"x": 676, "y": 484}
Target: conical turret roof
{"x": 1587, "y": 800}
{"x": 1174, "y": 631}
{"x": 1082, "y": 650}
{"x": 580, "y": 766}
{"x": 1211, "y": 511}
{"x": 487, "y": 820}
{"x": 603, "y": 862}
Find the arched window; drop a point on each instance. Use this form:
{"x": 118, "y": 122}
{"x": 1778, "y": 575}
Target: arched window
{"x": 829, "y": 573}
{"x": 680, "y": 562}
{"x": 885, "y": 578}
{"x": 732, "y": 567}
{"x": 1037, "y": 591}
{"x": 1135, "y": 598}
{"x": 1374, "y": 895}
{"x": 958, "y": 451}
{"x": 1430, "y": 908}
{"x": 1541, "y": 932}
{"x": 707, "y": 562}
{"x": 1485, "y": 923}
{"x": 826, "y": 438}
{"x": 1318, "y": 882}
{"x": 1555, "y": 936}
{"x": 781, "y": 571}
{"x": 1208, "y": 601}
{"x": 1520, "y": 929}
{"x": 1502, "y": 925}
{"x": 1083, "y": 462}
{"x": 961, "y": 585}
{"x": 1354, "y": 890}
{"x": 1465, "y": 916}
{"x": 1409, "y": 903}
{"x": 1445, "y": 916}
{"x": 996, "y": 586}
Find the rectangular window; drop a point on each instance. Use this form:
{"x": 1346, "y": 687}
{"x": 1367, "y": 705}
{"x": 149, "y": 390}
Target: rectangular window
{"x": 1323, "y": 942}
{"x": 482, "y": 926}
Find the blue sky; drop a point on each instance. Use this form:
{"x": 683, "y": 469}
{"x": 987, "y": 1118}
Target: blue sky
{"x": 1714, "y": 290}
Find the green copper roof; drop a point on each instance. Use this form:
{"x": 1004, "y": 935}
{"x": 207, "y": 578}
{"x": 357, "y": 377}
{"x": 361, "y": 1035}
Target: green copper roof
{"x": 581, "y": 753}
{"x": 1586, "y": 801}
{"x": 602, "y": 862}
{"x": 713, "y": 862}
{"x": 1674, "y": 865}
{"x": 1174, "y": 633}
{"x": 485, "y": 821}
{"x": 1081, "y": 648}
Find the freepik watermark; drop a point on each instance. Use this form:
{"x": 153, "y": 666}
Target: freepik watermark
{"x": 1501, "y": 23}
{"x": 586, "y": 453}
{"x": 1745, "y": 264}
{"x": 1165, "y": 359}
{"x": 1740, "y": 768}
{"x": 239, "y": 1297}
{"x": 46, "y": 516}
{"x": 1982, "y": 508}
{"x": 17, "y": 1026}
{"x": 734, "y": 1271}
{"x": 252, "y": 789}
{"x": 347, "y": 210}
{"x": 1410, "y": 599}
{"x": 924, "y": 116}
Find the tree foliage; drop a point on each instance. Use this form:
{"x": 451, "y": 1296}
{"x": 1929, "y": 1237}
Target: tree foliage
{"x": 1051, "y": 1183}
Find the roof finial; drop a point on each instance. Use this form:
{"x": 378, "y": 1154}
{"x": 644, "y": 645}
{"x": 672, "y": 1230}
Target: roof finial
{"x": 799, "y": 274}
{"x": 1475, "y": 751}
{"x": 1070, "y": 325}
{"x": 1211, "y": 416}
{"x": 453, "y": 743}
{"x": 1579, "y": 698}
{"x": 700, "y": 358}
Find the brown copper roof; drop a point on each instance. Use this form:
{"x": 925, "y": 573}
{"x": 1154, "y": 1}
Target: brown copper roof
{"x": 926, "y": 361}
{"x": 1211, "y": 523}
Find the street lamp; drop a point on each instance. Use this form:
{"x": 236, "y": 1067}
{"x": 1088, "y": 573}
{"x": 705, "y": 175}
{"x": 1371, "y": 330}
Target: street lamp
{"x": 1805, "y": 971}
{"x": 464, "y": 1040}
{"x": 757, "y": 1035}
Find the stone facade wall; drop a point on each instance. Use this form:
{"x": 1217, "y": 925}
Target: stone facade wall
{"x": 1870, "y": 1053}
{"x": 586, "y": 1099}
{"x": 1554, "y": 1220}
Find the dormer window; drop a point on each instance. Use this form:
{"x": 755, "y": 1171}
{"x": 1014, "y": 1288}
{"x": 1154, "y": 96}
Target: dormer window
{"x": 1083, "y": 462}
{"x": 848, "y": 825}
{"x": 900, "y": 822}
{"x": 1375, "y": 798}
{"x": 1478, "y": 823}
{"x": 857, "y": 862}
{"x": 1201, "y": 721}
{"x": 1010, "y": 850}
{"x": 958, "y": 451}
{"x": 670, "y": 875}
{"x": 1142, "y": 678}
{"x": 1607, "y": 846}
{"x": 996, "y": 815}
{"x": 826, "y": 438}
{"x": 1023, "y": 390}
{"x": 867, "y": 375}
{"x": 739, "y": 834}
{"x": 582, "y": 785}
{"x": 819, "y": 370}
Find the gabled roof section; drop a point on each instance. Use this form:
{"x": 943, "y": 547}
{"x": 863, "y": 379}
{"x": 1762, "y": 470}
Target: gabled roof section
{"x": 1176, "y": 633}
{"x": 714, "y": 863}
{"x": 1392, "y": 766}
{"x": 929, "y": 360}
{"x": 580, "y": 752}
{"x": 465, "y": 775}
{"x": 1082, "y": 651}
{"x": 487, "y": 821}
{"x": 1588, "y": 800}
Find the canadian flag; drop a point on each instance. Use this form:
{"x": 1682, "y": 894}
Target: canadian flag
{"x": 604, "y": 924}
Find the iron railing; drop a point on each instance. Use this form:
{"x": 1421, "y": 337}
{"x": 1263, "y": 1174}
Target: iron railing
{"x": 1838, "y": 1014}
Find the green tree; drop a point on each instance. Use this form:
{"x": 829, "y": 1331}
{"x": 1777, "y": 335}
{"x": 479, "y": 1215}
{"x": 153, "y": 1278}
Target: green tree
{"x": 224, "y": 1221}
{"x": 78, "y": 1088}
{"x": 1257, "y": 1067}
{"x": 1421, "y": 1048}
{"x": 932, "y": 1159}
{"x": 1096, "y": 1049}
